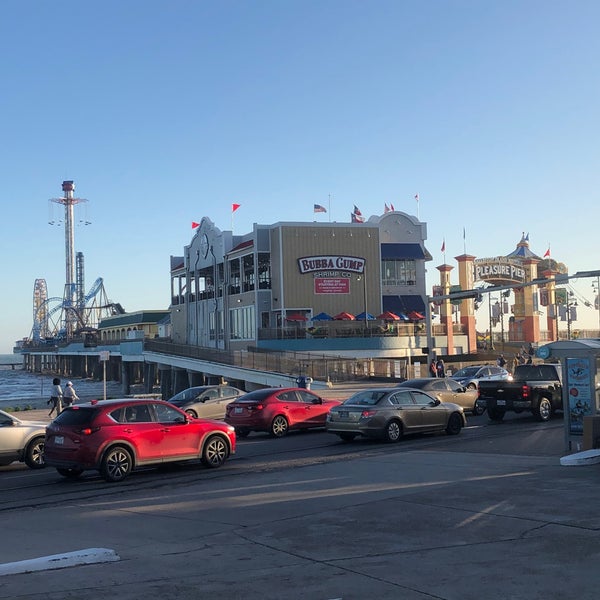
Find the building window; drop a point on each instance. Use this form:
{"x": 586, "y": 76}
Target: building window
{"x": 399, "y": 272}
{"x": 242, "y": 323}
{"x": 264, "y": 271}
{"x": 248, "y": 272}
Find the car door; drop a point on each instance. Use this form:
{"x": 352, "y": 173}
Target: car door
{"x": 402, "y": 405}
{"x": 10, "y": 439}
{"x": 208, "y": 406}
{"x": 438, "y": 388}
{"x": 138, "y": 427}
{"x": 179, "y": 439}
{"x": 315, "y": 411}
{"x": 433, "y": 415}
{"x": 459, "y": 396}
{"x": 295, "y": 411}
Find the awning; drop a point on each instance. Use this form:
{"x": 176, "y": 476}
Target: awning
{"x": 363, "y": 316}
{"x": 344, "y": 316}
{"x": 322, "y": 316}
{"x": 404, "y": 304}
{"x": 402, "y": 251}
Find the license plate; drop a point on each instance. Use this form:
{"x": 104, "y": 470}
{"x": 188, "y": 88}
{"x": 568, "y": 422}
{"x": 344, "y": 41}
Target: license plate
{"x": 501, "y": 402}
{"x": 59, "y": 439}
{"x": 238, "y": 410}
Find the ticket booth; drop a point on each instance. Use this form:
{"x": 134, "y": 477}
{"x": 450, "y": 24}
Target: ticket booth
{"x": 580, "y": 361}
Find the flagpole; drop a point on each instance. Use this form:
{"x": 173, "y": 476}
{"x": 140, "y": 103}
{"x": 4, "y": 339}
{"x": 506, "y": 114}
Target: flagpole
{"x": 417, "y": 199}
{"x": 329, "y": 207}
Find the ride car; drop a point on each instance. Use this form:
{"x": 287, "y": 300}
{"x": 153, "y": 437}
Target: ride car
{"x": 277, "y": 411}
{"x": 206, "y": 401}
{"x": 115, "y": 437}
{"x": 389, "y": 413}
{"x": 21, "y": 441}
{"x": 446, "y": 389}
{"x": 472, "y": 375}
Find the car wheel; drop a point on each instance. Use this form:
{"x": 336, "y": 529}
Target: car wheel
{"x": 279, "y": 426}
{"x": 34, "y": 453}
{"x": 393, "y": 431}
{"x": 242, "y": 433}
{"x": 116, "y": 464}
{"x": 192, "y": 413}
{"x": 543, "y": 411}
{"x": 454, "y": 424}
{"x": 495, "y": 414}
{"x": 478, "y": 410}
{"x": 69, "y": 473}
{"x": 215, "y": 452}
{"x": 347, "y": 437}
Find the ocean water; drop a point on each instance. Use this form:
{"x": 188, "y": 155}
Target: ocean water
{"x": 19, "y": 388}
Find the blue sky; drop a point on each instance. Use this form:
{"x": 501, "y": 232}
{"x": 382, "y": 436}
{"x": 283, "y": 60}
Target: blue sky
{"x": 165, "y": 112}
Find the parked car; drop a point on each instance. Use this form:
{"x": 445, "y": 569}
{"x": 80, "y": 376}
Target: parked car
{"x": 446, "y": 389}
{"x": 206, "y": 401}
{"x": 471, "y": 376}
{"x": 277, "y": 411}
{"x": 21, "y": 441}
{"x": 116, "y": 436}
{"x": 388, "y": 413}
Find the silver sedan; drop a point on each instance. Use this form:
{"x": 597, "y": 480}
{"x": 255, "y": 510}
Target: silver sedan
{"x": 388, "y": 413}
{"x": 21, "y": 441}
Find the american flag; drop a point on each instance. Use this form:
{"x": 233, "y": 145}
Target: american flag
{"x": 320, "y": 209}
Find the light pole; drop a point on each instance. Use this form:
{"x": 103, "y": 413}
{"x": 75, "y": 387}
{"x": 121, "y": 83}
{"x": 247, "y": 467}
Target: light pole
{"x": 363, "y": 276}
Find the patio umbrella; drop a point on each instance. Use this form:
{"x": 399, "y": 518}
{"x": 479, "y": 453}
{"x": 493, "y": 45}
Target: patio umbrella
{"x": 344, "y": 316}
{"x": 388, "y": 316}
{"x": 296, "y": 317}
{"x": 415, "y": 316}
{"x": 363, "y": 316}
{"x": 322, "y": 316}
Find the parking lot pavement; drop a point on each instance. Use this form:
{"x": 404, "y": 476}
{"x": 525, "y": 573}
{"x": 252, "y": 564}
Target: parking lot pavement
{"x": 418, "y": 524}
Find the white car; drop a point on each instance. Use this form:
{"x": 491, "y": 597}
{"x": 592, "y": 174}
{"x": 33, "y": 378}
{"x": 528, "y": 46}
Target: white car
{"x": 469, "y": 377}
{"x": 22, "y": 441}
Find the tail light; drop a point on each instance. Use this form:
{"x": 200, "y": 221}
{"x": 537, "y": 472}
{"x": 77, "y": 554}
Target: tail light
{"x": 525, "y": 391}
{"x": 256, "y": 407}
{"x": 367, "y": 413}
{"x": 89, "y": 430}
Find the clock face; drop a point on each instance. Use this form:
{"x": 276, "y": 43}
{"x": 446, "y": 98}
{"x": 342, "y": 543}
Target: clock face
{"x": 204, "y": 245}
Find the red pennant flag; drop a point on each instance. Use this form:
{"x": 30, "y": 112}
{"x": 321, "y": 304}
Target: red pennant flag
{"x": 392, "y": 207}
{"x": 443, "y": 246}
{"x": 194, "y": 224}
{"x": 234, "y": 207}
{"x": 547, "y": 253}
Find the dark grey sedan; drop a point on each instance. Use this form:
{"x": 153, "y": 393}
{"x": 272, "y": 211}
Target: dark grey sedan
{"x": 388, "y": 413}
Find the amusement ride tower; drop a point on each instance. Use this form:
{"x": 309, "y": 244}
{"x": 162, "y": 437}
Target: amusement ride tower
{"x": 70, "y": 293}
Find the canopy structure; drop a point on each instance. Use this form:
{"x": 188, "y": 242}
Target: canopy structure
{"x": 388, "y": 316}
{"x": 344, "y": 316}
{"x": 363, "y": 316}
{"x": 296, "y": 317}
{"x": 322, "y": 316}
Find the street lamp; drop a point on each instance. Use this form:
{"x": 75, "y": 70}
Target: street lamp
{"x": 364, "y": 280}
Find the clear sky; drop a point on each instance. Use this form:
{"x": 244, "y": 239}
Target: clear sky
{"x": 165, "y": 112}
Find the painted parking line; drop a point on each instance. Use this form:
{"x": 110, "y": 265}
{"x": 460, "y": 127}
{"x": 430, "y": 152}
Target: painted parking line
{"x": 60, "y": 561}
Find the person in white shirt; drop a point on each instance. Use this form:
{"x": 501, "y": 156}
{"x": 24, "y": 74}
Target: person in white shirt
{"x": 69, "y": 395}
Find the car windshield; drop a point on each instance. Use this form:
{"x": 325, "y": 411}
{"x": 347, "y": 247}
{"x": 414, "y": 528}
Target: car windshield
{"x": 466, "y": 372}
{"x": 368, "y": 398}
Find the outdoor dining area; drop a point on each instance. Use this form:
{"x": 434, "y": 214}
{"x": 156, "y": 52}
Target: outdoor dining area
{"x": 346, "y": 324}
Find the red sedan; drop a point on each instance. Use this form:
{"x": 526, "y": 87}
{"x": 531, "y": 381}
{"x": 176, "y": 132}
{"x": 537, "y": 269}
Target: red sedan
{"x": 277, "y": 410}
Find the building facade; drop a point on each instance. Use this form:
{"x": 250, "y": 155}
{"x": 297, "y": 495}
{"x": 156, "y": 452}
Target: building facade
{"x": 264, "y": 289}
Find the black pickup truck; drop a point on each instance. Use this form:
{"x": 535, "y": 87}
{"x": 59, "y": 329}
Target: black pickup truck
{"x": 535, "y": 388}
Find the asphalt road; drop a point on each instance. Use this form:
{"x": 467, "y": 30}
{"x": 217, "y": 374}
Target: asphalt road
{"x": 486, "y": 514}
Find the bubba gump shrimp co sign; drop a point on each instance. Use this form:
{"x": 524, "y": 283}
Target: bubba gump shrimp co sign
{"x": 499, "y": 270}
{"x": 331, "y": 273}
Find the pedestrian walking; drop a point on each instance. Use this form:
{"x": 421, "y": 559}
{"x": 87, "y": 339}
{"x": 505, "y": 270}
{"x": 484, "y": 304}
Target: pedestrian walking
{"x": 501, "y": 362}
{"x": 70, "y": 396}
{"x": 56, "y": 396}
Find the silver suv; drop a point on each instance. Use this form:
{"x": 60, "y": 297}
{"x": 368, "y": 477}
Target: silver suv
{"x": 470, "y": 377}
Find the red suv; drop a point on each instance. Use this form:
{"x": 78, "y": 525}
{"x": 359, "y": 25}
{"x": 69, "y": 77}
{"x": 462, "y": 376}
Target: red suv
{"x": 116, "y": 436}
